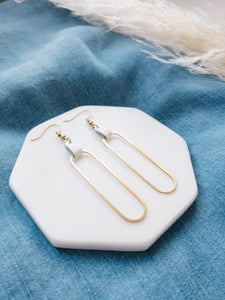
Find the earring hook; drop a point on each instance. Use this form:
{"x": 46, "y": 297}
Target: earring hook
{"x": 63, "y": 137}
{"x": 82, "y": 111}
{"x": 88, "y": 119}
{"x": 41, "y": 135}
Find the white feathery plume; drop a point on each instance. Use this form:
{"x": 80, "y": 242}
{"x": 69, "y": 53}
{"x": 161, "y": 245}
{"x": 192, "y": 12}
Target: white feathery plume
{"x": 184, "y": 38}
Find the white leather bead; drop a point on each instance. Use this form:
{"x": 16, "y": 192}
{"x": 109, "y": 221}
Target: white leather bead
{"x": 103, "y": 132}
{"x": 73, "y": 149}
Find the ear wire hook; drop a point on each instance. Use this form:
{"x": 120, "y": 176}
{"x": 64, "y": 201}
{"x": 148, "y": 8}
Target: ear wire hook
{"x": 58, "y": 132}
{"x": 46, "y": 129}
{"x": 76, "y": 151}
{"x": 106, "y": 135}
{"x": 88, "y": 119}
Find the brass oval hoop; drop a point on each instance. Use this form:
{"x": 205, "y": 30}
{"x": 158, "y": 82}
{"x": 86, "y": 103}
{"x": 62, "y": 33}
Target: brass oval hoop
{"x": 103, "y": 196}
{"x": 148, "y": 157}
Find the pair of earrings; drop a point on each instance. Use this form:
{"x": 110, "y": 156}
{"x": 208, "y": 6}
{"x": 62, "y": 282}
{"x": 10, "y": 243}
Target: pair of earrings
{"x": 77, "y": 151}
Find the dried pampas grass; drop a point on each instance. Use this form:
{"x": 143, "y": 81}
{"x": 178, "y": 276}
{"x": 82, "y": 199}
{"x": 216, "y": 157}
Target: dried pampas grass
{"x": 183, "y": 37}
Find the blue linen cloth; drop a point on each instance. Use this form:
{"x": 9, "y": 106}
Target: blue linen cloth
{"x": 51, "y": 62}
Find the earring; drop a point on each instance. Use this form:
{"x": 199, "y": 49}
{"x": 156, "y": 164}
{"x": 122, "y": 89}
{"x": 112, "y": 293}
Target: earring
{"x": 76, "y": 152}
{"x": 107, "y": 134}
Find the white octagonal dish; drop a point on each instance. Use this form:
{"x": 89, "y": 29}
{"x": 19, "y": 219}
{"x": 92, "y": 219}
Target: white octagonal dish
{"x": 70, "y": 213}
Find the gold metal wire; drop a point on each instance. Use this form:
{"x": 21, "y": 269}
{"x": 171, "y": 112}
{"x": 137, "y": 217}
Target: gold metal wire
{"x": 41, "y": 135}
{"x": 80, "y": 112}
{"x": 65, "y": 138}
{"x": 136, "y": 171}
{"x": 103, "y": 196}
{"x": 88, "y": 119}
{"x": 93, "y": 126}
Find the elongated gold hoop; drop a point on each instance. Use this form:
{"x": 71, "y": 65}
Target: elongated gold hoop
{"x": 103, "y": 196}
{"x": 76, "y": 151}
{"x": 136, "y": 171}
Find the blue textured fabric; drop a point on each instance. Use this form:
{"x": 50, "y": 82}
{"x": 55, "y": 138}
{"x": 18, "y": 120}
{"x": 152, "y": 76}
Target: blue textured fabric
{"x": 51, "y": 62}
